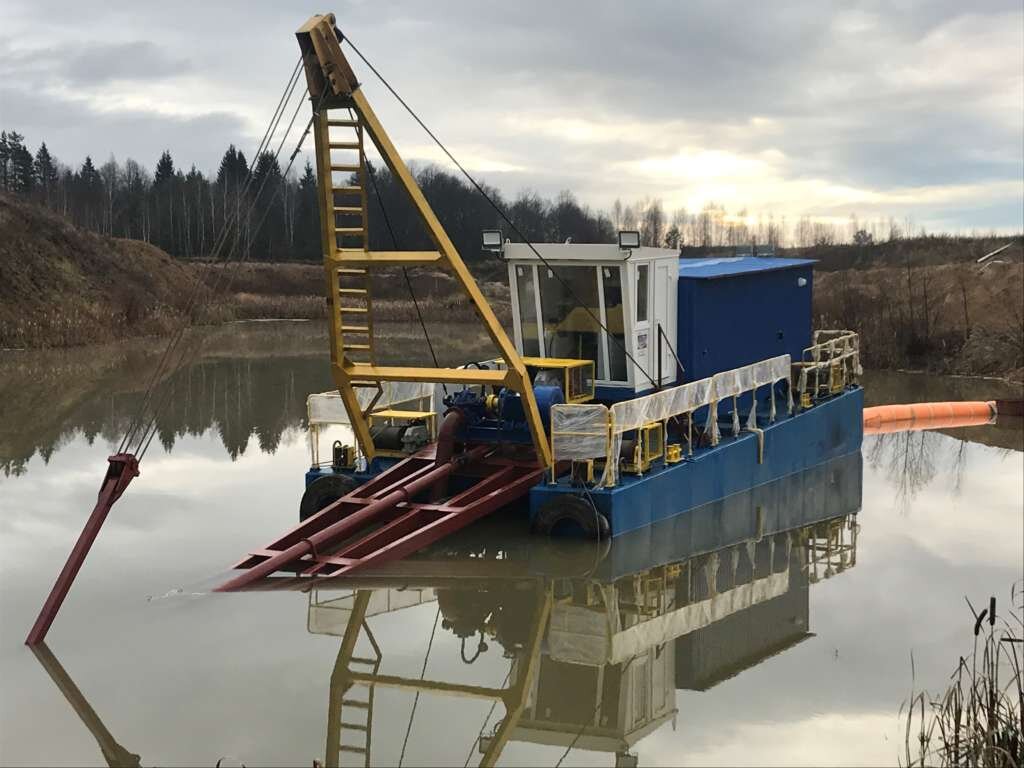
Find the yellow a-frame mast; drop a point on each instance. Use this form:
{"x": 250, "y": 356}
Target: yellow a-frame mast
{"x": 333, "y": 85}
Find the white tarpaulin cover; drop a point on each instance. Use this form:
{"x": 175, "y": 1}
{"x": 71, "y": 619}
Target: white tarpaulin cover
{"x": 327, "y": 407}
{"x": 579, "y": 431}
{"x": 579, "y": 635}
{"x": 583, "y": 431}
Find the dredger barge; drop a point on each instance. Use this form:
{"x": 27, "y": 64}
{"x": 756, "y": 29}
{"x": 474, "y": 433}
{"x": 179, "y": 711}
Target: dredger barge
{"x": 632, "y": 387}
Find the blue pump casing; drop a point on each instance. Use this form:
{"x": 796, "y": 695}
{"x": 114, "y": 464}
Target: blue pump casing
{"x": 507, "y": 421}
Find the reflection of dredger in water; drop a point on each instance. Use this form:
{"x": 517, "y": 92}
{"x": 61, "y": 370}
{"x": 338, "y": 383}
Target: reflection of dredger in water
{"x": 598, "y": 642}
{"x": 595, "y": 659}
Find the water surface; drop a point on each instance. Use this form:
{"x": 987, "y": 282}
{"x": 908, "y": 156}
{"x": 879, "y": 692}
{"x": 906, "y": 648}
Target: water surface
{"x": 776, "y": 628}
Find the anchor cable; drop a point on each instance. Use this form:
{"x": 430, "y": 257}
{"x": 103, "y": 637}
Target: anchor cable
{"x": 186, "y": 322}
{"x": 223, "y": 286}
{"x": 501, "y": 212}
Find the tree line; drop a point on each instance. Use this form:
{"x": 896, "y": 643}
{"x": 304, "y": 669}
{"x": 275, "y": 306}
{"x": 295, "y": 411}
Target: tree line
{"x": 187, "y": 213}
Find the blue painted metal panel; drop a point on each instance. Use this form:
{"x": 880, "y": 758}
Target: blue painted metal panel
{"x": 831, "y": 429}
{"x": 743, "y": 318}
{"x": 828, "y": 490}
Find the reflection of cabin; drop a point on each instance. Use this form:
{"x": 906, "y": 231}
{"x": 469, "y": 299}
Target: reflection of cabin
{"x": 623, "y": 648}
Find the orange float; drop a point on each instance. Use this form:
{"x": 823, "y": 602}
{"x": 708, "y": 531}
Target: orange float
{"x": 884, "y": 419}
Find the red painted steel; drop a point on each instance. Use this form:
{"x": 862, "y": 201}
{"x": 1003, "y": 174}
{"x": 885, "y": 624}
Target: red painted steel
{"x": 124, "y": 467}
{"x": 379, "y": 521}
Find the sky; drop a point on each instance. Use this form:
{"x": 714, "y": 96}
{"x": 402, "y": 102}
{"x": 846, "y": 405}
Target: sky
{"x": 827, "y": 109}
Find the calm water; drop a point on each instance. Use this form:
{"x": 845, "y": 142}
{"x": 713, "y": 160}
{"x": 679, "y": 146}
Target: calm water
{"x": 774, "y": 628}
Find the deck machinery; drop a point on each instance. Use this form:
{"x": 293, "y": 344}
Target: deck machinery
{"x": 633, "y": 386}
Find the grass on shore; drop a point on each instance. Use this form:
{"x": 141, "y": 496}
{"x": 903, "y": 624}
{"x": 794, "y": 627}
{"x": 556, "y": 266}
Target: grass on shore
{"x": 979, "y": 719}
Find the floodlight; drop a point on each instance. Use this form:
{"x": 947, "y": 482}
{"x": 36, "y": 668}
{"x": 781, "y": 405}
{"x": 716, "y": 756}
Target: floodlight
{"x": 629, "y": 238}
{"x": 492, "y": 239}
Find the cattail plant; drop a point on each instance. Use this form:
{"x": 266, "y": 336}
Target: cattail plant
{"x": 979, "y": 719}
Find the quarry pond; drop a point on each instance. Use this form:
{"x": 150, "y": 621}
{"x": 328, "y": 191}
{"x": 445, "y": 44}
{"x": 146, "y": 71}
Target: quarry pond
{"x": 775, "y": 627}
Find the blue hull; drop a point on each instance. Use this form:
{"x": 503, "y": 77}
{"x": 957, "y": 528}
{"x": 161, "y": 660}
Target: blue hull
{"x": 831, "y": 429}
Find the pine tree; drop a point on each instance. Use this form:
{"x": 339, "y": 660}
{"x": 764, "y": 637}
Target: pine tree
{"x": 45, "y": 172}
{"x": 20, "y": 176}
{"x": 5, "y": 156}
{"x": 164, "y": 169}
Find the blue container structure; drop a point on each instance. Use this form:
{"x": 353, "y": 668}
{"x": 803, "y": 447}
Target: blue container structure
{"x": 736, "y": 311}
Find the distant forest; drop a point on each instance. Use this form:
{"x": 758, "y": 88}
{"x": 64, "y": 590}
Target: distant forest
{"x": 186, "y": 212}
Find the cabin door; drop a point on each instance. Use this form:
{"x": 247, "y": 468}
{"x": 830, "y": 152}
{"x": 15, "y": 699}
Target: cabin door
{"x": 664, "y": 315}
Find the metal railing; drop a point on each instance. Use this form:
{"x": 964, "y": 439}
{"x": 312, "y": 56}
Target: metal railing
{"x": 595, "y": 432}
{"x": 828, "y": 366}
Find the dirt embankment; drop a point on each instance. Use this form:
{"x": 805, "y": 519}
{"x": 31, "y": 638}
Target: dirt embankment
{"x": 960, "y": 318}
{"x": 61, "y": 286}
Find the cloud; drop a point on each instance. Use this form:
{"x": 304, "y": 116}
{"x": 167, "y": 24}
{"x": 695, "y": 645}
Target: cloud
{"x": 135, "y": 61}
{"x": 916, "y": 107}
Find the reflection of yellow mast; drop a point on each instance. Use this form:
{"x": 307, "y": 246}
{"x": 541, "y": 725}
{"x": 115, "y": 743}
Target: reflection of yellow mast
{"x": 113, "y": 753}
{"x": 344, "y": 678}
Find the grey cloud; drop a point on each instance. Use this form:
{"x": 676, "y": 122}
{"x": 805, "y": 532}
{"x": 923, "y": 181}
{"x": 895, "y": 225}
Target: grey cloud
{"x": 140, "y": 60}
{"x": 72, "y": 130}
{"x": 842, "y": 110}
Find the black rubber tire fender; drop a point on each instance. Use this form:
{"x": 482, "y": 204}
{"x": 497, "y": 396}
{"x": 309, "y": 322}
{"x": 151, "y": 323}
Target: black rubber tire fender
{"x": 323, "y": 491}
{"x": 575, "y": 511}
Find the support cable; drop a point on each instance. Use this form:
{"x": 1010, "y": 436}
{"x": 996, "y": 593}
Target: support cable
{"x": 186, "y": 322}
{"x": 585, "y": 724}
{"x": 405, "y": 272}
{"x": 500, "y": 211}
{"x": 416, "y": 700}
{"x": 223, "y": 283}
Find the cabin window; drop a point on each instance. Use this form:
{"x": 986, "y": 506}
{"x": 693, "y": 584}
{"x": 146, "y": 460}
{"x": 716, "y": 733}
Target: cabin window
{"x": 641, "y": 293}
{"x": 527, "y": 311}
{"x": 611, "y": 278}
{"x": 569, "y": 329}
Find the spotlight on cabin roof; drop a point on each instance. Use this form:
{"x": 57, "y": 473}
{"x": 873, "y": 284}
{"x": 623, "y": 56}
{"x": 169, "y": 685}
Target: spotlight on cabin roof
{"x": 629, "y": 238}
{"x": 492, "y": 240}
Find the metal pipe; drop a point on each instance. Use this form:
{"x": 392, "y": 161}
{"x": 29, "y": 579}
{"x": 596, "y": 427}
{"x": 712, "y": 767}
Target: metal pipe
{"x": 123, "y": 468}
{"x": 352, "y": 522}
{"x": 453, "y": 422}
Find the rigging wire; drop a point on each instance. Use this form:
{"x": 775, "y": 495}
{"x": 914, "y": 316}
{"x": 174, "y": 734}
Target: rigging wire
{"x": 501, "y": 212}
{"x": 223, "y": 283}
{"x": 416, "y": 700}
{"x": 405, "y": 272}
{"x": 583, "y": 727}
{"x": 197, "y": 287}
{"x": 487, "y": 719}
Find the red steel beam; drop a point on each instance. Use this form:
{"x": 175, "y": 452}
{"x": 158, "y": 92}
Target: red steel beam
{"x": 350, "y": 524}
{"x": 123, "y": 468}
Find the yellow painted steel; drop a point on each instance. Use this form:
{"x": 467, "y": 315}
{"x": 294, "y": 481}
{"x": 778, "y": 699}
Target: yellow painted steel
{"x": 576, "y": 374}
{"x": 332, "y": 85}
{"x": 514, "y": 697}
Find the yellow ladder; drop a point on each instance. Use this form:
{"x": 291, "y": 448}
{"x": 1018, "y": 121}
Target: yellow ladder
{"x": 352, "y": 283}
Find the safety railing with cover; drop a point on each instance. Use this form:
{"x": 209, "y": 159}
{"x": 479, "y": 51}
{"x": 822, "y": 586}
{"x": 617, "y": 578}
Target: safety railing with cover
{"x": 596, "y": 432}
{"x": 828, "y": 366}
{"x": 324, "y": 409}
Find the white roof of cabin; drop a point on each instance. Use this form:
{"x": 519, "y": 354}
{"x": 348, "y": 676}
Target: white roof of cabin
{"x": 583, "y": 252}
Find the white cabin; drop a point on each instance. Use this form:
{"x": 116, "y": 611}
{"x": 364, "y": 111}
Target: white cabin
{"x": 632, "y": 290}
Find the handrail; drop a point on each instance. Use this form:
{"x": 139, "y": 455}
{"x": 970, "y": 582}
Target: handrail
{"x": 835, "y": 350}
{"x": 594, "y": 431}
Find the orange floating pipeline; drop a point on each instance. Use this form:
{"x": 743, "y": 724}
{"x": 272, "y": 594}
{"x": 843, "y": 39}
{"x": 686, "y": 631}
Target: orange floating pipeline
{"x": 884, "y": 419}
